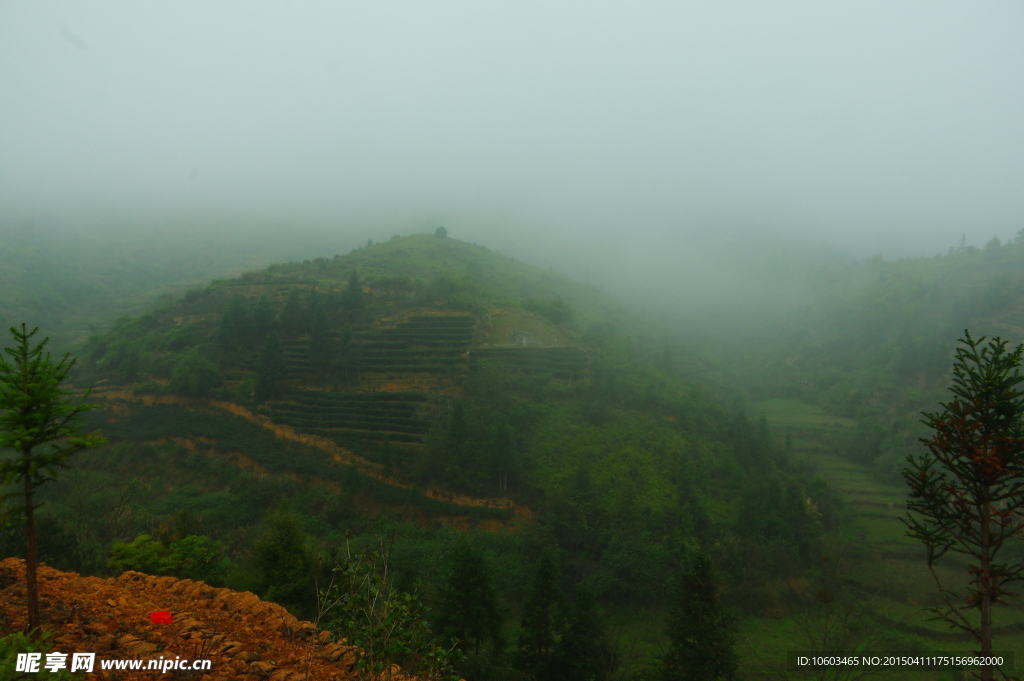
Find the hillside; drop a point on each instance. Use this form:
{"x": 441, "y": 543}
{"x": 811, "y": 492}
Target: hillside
{"x": 358, "y": 356}
{"x": 876, "y": 343}
{"x": 434, "y": 393}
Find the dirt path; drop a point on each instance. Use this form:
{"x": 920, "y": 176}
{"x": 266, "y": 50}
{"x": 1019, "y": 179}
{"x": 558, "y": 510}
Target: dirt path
{"x": 337, "y": 453}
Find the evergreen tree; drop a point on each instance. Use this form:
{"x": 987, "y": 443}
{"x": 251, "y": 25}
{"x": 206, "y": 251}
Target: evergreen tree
{"x": 233, "y": 332}
{"x": 284, "y": 562}
{"x": 320, "y": 352}
{"x": 40, "y": 422}
{"x": 583, "y": 652}
{"x": 352, "y": 300}
{"x": 701, "y": 636}
{"x": 293, "y": 318}
{"x": 271, "y": 367}
{"x": 262, "y": 320}
{"x": 967, "y": 491}
{"x": 468, "y": 610}
{"x": 540, "y": 623}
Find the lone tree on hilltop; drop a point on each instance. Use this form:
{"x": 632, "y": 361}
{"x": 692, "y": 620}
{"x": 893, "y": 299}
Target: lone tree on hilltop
{"x": 967, "y": 491}
{"x": 701, "y": 635}
{"x": 39, "y": 421}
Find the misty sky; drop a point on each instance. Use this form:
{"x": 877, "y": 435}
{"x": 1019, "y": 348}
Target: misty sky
{"x": 630, "y": 132}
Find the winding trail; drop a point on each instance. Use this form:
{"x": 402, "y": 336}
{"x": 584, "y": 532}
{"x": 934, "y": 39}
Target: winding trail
{"x": 337, "y": 453}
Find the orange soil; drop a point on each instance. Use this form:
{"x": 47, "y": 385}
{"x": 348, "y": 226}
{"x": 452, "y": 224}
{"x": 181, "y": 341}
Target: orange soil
{"x": 243, "y": 636}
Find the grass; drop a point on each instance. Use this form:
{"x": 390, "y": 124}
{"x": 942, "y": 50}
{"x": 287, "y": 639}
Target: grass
{"x": 886, "y": 569}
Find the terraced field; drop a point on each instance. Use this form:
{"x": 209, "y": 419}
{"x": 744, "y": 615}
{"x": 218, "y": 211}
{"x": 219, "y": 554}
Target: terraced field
{"x": 563, "y": 362}
{"x": 349, "y": 418}
{"x": 297, "y": 366}
{"x": 421, "y": 344}
{"x": 883, "y": 567}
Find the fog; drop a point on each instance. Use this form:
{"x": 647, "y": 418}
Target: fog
{"x": 654, "y": 145}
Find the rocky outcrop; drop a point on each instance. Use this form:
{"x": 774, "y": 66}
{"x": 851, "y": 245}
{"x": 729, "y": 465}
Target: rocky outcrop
{"x": 244, "y": 637}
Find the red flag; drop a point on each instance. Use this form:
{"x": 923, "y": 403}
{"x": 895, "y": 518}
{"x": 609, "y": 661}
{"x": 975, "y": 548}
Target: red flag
{"x": 161, "y": 617}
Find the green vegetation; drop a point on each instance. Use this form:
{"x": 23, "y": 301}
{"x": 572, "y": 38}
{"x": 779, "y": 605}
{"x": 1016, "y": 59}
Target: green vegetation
{"x": 540, "y": 456}
{"x": 467, "y": 610}
{"x": 389, "y": 626}
{"x": 540, "y": 625}
{"x": 41, "y": 424}
{"x": 967, "y": 492}
{"x": 19, "y": 642}
{"x": 283, "y": 562}
{"x": 701, "y": 636}
{"x": 874, "y": 342}
{"x": 193, "y": 557}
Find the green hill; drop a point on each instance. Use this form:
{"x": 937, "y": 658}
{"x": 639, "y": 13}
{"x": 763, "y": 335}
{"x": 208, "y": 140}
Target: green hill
{"x": 424, "y": 385}
{"x": 876, "y": 343}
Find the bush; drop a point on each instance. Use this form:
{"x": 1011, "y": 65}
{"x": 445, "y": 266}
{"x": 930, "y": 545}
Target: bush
{"x": 554, "y": 310}
{"x": 388, "y": 625}
{"x": 193, "y": 557}
{"x": 195, "y": 375}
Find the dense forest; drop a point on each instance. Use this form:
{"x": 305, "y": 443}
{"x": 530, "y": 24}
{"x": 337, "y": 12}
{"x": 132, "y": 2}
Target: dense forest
{"x": 525, "y": 448}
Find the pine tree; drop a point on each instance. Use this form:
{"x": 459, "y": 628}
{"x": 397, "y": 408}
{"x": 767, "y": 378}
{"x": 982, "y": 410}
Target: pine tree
{"x": 40, "y": 422}
{"x": 232, "y": 334}
{"x": 967, "y": 491}
{"x": 468, "y": 610}
{"x": 583, "y": 652}
{"x": 284, "y": 562}
{"x": 320, "y": 351}
{"x": 538, "y": 635}
{"x": 352, "y": 300}
{"x": 262, "y": 320}
{"x": 701, "y": 636}
{"x": 271, "y": 367}
{"x": 293, "y": 317}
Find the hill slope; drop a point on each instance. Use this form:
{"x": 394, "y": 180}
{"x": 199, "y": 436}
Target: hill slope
{"x": 419, "y": 389}
{"x": 877, "y": 343}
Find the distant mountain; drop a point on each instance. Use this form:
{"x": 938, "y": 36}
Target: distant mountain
{"x": 73, "y": 283}
{"x": 877, "y": 343}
